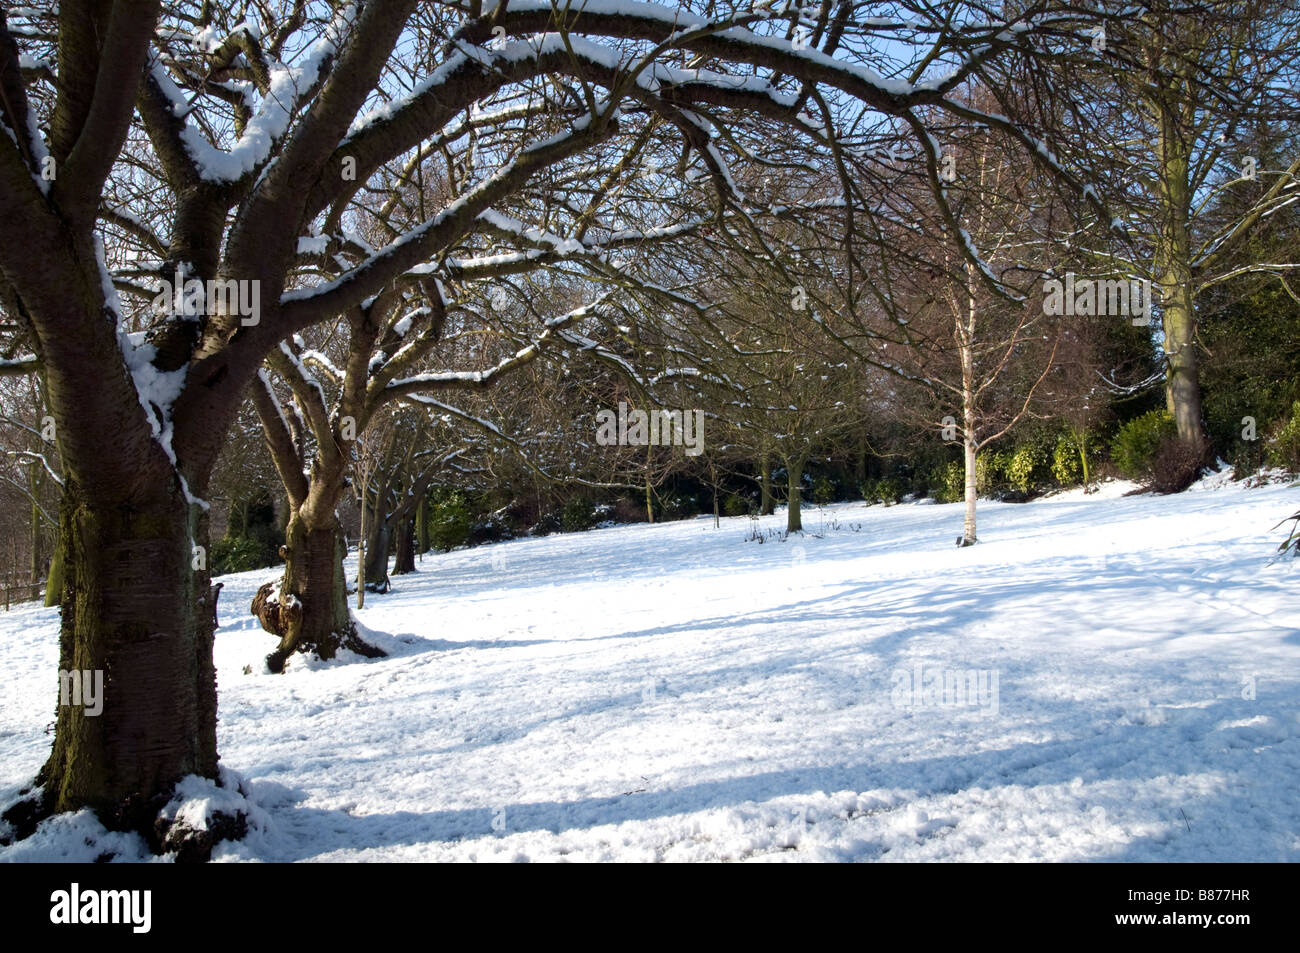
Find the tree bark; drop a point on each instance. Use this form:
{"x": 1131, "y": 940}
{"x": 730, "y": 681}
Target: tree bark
{"x": 767, "y": 505}
{"x": 314, "y": 576}
{"x": 968, "y": 526}
{"x": 134, "y": 609}
{"x": 1173, "y": 255}
{"x": 793, "y": 518}
{"x": 422, "y": 525}
{"x": 361, "y": 553}
{"x": 34, "y": 483}
{"x": 1081, "y": 440}
{"x": 54, "y": 582}
{"x": 1182, "y": 382}
{"x": 964, "y": 333}
{"x": 377, "y": 556}
{"x": 404, "y": 561}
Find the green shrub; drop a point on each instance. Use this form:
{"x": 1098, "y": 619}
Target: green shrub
{"x": 736, "y": 504}
{"x": 252, "y": 539}
{"x": 450, "y": 520}
{"x": 1025, "y": 466}
{"x": 954, "y": 482}
{"x": 240, "y": 554}
{"x": 1249, "y": 369}
{"x": 546, "y": 524}
{"x": 886, "y": 490}
{"x": 988, "y": 470}
{"x": 952, "y": 478}
{"x": 1137, "y": 443}
{"x": 823, "y": 491}
{"x": 1067, "y": 466}
{"x": 889, "y": 490}
{"x": 577, "y": 515}
{"x": 1284, "y": 448}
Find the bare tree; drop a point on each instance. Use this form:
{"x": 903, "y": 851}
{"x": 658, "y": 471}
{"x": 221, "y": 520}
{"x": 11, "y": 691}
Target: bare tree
{"x": 179, "y": 142}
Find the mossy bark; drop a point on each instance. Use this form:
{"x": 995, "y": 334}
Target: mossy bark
{"x": 54, "y": 582}
{"x": 313, "y": 574}
{"x": 1173, "y": 259}
{"x": 134, "y": 608}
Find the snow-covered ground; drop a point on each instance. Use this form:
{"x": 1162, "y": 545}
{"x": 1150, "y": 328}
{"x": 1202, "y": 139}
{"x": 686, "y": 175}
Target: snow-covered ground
{"x": 676, "y": 692}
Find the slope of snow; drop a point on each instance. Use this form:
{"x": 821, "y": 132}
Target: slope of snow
{"x": 676, "y": 692}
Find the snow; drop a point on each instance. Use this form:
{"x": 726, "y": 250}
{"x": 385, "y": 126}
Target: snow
{"x": 676, "y": 692}
{"x": 313, "y": 244}
{"x": 687, "y": 21}
{"x": 270, "y": 121}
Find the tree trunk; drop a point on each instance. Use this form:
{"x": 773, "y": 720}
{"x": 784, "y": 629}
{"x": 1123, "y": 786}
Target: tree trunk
{"x": 1081, "y": 440}
{"x": 54, "y": 582}
{"x": 377, "y": 555}
{"x": 34, "y": 482}
{"x": 1182, "y": 382}
{"x": 767, "y": 505}
{"x": 793, "y": 518}
{"x": 964, "y": 334}
{"x": 313, "y": 575}
{"x": 1173, "y": 257}
{"x": 968, "y": 527}
{"x": 404, "y": 562}
{"x": 361, "y": 550}
{"x": 422, "y": 525}
{"x": 135, "y": 610}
